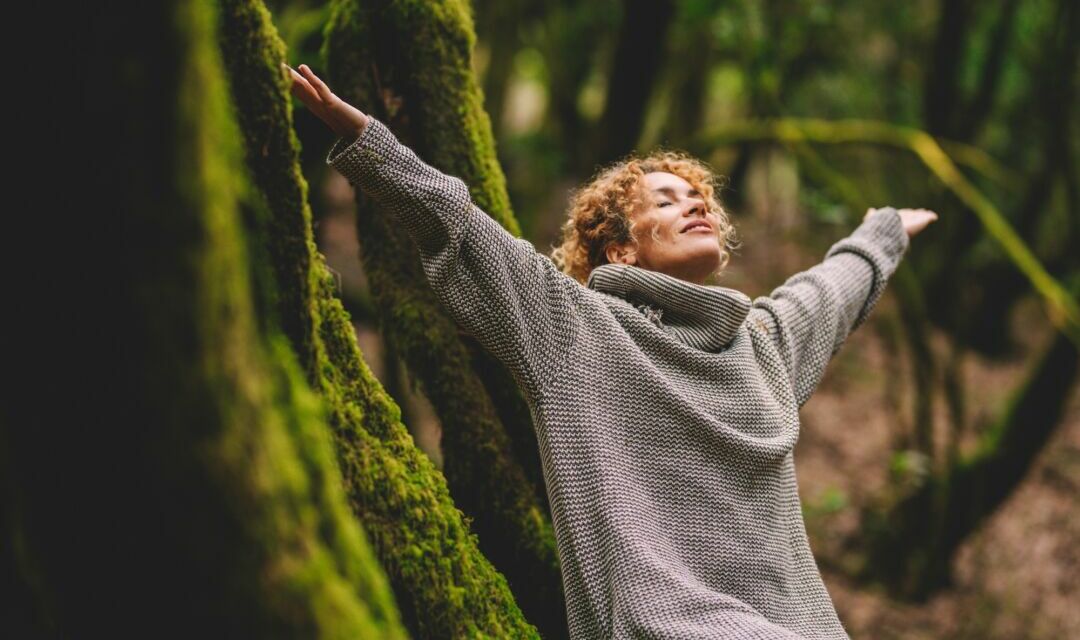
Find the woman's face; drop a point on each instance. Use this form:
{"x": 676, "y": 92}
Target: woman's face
{"x": 688, "y": 245}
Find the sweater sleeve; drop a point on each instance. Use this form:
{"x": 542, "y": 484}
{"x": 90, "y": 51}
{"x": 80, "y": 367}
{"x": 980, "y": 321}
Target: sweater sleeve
{"x": 812, "y": 313}
{"x": 498, "y": 288}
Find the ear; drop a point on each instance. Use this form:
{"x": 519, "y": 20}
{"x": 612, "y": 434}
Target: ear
{"x": 620, "y": 254}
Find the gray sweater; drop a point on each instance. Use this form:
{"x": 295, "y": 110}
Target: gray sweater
{"x": 666, "y": 412}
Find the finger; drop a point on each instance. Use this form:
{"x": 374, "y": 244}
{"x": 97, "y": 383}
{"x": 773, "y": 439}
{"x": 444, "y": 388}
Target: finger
{"x": 320, "y": 86}
{"x": 298, "y": 85}
{"x": 306, "y": 94}
{"x": 302, "y": 89}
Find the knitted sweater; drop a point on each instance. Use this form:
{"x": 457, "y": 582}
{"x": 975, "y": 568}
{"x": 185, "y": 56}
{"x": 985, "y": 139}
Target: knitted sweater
{"x": 665, "y": 411}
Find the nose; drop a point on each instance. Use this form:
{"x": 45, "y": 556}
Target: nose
{"x": 696, "y": 208}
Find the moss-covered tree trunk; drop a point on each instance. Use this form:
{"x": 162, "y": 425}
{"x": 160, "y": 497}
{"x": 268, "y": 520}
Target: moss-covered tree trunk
{"x": 445, "y": 586}
{"x": 195, "y": 493}
{"x": 408, "y": 64}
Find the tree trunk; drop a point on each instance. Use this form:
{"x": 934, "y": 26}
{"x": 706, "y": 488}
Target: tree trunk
{"x": 574, "y": 31}
{"x": 941, "y": 97}
{"x": 638, "y": 59}
{"x": 408, "y": 64}
{"x": 445, "y": 586}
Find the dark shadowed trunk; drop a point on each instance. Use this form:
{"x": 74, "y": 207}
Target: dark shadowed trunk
{"x": 638, "y": 60}
{"x": 196, "y": 488}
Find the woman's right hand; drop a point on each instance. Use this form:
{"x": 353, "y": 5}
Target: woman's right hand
{"x": 344, "y": 119}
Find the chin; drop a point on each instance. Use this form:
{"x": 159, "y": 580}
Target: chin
{"x": 712, "y": 256}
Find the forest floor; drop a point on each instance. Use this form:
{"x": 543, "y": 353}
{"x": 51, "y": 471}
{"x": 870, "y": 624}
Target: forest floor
{"x": 1014, "y": 578}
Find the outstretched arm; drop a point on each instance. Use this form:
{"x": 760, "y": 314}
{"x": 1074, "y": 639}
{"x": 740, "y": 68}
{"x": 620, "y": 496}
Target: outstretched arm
{"x": 510, "y": 297}
{"x": 498, "y": 288}
{"x": 812, "y": 313}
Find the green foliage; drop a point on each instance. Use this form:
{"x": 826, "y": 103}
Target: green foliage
{"x": 909, "y": 469}
{"x": 832, "y": 500}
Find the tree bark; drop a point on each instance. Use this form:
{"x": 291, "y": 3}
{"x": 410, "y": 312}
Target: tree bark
{"x": 445, "y": 586}
{"x": 408, "y": 64}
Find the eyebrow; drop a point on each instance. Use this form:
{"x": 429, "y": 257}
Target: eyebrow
{"x": 671, "y": 191}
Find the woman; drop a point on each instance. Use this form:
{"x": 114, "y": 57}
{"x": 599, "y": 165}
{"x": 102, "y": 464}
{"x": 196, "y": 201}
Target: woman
{"x": 665, "y": 409}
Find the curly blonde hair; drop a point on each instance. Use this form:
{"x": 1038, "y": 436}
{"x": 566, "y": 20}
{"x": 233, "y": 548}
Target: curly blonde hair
{"x": 601, "y": 211}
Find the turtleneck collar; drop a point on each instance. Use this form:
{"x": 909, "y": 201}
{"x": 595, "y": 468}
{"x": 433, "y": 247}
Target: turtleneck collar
{"x": 703, "y": 316}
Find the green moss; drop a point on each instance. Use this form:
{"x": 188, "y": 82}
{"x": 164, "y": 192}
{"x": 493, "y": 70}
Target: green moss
{"x": 445, "y": 586}
{"x": 270, "y": 454}
{"x": 270, "y": 149}
{"x": 420, "y": 54}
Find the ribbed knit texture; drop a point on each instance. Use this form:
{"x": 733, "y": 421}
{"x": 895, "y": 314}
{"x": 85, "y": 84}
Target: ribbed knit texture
{"x": 666, "y": 412}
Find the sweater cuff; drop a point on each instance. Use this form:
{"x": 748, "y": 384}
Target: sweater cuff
{"x": 355, "y": 157}
{"x": 885, "y": 230}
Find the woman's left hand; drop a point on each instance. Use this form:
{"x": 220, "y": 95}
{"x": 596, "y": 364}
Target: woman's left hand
{"x": 914, "y": 220}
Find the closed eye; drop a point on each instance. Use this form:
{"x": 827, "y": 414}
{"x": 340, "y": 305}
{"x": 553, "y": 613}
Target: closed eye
{"x": 660, "y": 204}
